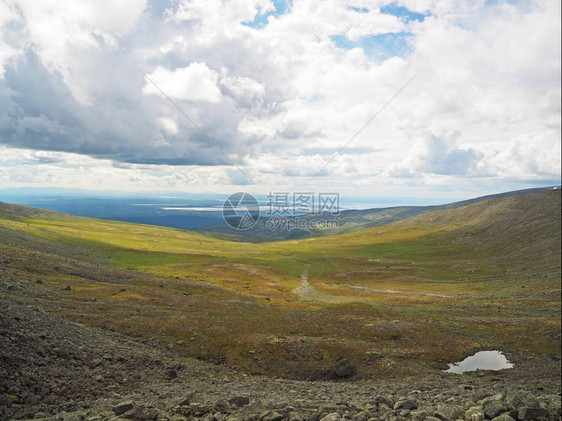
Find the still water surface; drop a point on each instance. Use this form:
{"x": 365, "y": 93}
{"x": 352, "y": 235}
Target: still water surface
{"x": 483, "y": 360}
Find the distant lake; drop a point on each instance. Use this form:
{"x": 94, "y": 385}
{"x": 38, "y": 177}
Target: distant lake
{"x": 176, "y": 212}
{"x": 168, "y": 212}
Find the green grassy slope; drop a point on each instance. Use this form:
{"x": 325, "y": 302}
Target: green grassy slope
{"x": 393, "y": 299}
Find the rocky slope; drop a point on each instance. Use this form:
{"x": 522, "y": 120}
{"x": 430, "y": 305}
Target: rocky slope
{"x": 51, "y": 368}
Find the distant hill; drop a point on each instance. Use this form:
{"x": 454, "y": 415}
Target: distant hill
{"x": 10, "y": 211}
{"x": 346, "y": 221}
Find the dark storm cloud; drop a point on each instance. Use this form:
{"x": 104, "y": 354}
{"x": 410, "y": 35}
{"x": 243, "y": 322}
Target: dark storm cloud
{"x": 40, "y": 112}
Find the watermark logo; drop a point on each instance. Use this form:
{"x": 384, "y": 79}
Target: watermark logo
{"x": 241, "y": 211}
{"x": 287, "y": 204}
{"x": 283, "y": 210}
{"x": 296, "y": 223}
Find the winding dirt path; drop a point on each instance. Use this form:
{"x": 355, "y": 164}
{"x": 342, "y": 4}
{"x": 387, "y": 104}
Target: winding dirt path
{"x": 307, "y": 292}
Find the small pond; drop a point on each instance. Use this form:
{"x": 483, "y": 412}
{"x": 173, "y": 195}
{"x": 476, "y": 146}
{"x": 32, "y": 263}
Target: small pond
{"x": 483, "y": 360}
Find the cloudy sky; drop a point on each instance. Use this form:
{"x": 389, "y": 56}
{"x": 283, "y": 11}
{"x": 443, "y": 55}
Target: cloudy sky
{"x": 261, "y": 95}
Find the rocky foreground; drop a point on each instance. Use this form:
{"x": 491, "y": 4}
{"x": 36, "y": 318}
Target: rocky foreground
{"x": 54, "y": 369}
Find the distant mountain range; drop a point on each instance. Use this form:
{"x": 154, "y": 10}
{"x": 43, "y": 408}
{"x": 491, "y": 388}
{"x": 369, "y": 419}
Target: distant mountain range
{"x": 268, "y": 229}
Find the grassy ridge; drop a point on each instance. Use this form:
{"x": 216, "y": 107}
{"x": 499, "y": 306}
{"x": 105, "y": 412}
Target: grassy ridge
{"x": 393, "y": 299}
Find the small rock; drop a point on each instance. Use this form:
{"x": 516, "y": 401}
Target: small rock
{"x": 172, "y": 374}
{"x": 343, "y": 368}
{"x": 555, "y": 406}
{"x": 193, "y": 397}
{"x": 419, "y": 415}
{"x": 201, "y": 409}
{"x": 381, "y": 399}
{"x": 503, "y": 417}
{"x": 317, "y": 414}
{"x": 271, "y": 416}
{"x": 239, "y": 401}
{"x": 498, "y": 397}
{"x": 123, "y": 407}
{"x": 355, "y": 406}
{"x": 362, "y": 416}
{"x": 142, "y": 413}
{"x": 95, "y": 362}
{"x": 385, "y": 409}
{"x": 406, "y": 404}
{"x": 334, "y": 416}
{"x": 293, "y": 416}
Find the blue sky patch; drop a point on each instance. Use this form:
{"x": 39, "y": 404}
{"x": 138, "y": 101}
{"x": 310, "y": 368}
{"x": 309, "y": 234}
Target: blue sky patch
{"x": 381, "y": 47}
{"x": 260, "y": 20}
{"x": 495, "y": 3}
{"x": 403, "y": 13}
{"x": 359, "y": 9}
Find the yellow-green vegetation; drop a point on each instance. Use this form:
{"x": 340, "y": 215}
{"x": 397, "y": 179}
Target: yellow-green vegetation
{"x": 395, "y": 299}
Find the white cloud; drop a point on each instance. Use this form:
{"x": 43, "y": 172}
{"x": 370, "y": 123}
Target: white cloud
{"x": 281, "y": 99}
{"x": 218, "y": 12}
{"x": 62, "y": 32}
{"x": 8, "y": 15}
{"x": 195, "y": 82}
{"x": 529, "y": 156}
{"x": 244, "y": 89}
{"x": 435, "y": 154}
{"x": 169, "y": 125}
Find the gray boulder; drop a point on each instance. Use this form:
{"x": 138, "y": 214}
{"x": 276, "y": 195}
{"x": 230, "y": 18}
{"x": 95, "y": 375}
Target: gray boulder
{"x": 406, "y": 404}
{"x": 239, "y": 401}
{"x": 447, "y": 411}
{"x": 343, "y": 368}
{"x": 474, "y": 414}
{"x": 494, "y": 408}
{"x": 383, "y": 400}
{"x": 531, "y": 413}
